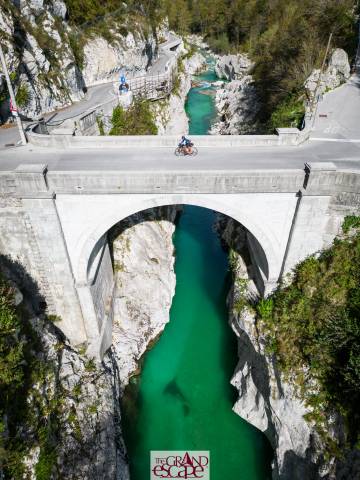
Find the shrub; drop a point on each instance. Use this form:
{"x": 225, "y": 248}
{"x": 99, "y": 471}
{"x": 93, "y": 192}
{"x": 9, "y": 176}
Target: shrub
{"x": 289, "y": 113}
{"x": 350, "y": 221}
{"x": 265, "y": 307}
{"x": 137, "y": 120}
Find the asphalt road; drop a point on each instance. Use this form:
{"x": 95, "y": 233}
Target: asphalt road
{"x": 96, "y": 95}
{"x": 344, "y": 155}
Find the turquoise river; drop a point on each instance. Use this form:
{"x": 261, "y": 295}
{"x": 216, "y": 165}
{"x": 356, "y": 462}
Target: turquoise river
{"x": 182, "y": 400}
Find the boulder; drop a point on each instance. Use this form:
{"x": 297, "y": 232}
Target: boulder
{"x": 237, "y": 105}
{"x": 340, "y": 62}
{"x": 337, "y": 72}
{"x": 231, "y": 67}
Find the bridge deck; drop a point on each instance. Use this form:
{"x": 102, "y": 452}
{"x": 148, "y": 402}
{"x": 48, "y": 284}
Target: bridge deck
{"x": 344, "y": 155}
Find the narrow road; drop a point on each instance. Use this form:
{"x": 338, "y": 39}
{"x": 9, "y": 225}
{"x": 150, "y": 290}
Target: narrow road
{"x": 96, "y": 95}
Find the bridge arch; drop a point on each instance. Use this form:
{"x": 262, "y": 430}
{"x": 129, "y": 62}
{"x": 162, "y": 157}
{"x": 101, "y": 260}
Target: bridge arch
{"x": 86, "y": 219}
{"x": 262, "y": 242}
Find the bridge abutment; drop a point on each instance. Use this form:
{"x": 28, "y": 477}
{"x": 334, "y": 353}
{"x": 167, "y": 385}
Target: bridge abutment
{"x": 31, "y": 239}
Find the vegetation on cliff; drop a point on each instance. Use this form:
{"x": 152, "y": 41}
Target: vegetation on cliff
{"x": 29, "y": 412}
{"x": 312, "y": 327}
{"x": 136, "y": 120}
{"x": 286, "y": 38}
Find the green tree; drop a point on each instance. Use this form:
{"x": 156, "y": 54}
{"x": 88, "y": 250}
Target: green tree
{"x": 137, "y": 120}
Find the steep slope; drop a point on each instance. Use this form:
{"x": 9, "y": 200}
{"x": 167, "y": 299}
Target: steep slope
{"x": 298, "y": 369}
{"x": 52, "y": 60}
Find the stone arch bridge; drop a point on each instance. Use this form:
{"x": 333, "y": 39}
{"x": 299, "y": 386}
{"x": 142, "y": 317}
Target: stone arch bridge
{"x": 55, "y": 223}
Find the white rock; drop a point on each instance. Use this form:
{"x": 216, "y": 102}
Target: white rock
{"x": 125, "y": 99}
{"x": 337, "y": 72}
{"x": 145, "y": 285}
{"x": 232, "y": 67}
{"x": 195, "y": 64}
{"x": 237, "y": 107}
{"x": 218, "y": 84}
{"x": 130, "y": 55}
{"x": 58, "y": 8}
{"x": 340, "y": 61}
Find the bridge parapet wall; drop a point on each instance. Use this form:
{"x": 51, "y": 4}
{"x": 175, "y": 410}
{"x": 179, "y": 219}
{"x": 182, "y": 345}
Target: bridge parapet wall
{"x": 68, "y": 140}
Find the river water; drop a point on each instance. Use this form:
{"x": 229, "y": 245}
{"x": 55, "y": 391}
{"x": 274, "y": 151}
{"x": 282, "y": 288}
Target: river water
{"x": 183, "y": 399}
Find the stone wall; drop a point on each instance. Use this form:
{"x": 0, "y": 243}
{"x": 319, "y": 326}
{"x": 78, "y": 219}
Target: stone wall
{"x": 31, "y": 234}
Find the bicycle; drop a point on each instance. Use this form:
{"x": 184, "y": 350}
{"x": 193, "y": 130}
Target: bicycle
{"x": 180, "y": 151}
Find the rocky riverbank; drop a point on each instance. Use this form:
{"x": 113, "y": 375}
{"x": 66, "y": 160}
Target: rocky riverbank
{"x": 170, "y": 115}
{"x": 236, "y": 102}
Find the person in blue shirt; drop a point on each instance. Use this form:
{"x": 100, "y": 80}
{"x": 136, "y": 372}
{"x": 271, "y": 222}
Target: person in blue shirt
{"x": 186, "y": 145}
{"x": 124, "y": 87}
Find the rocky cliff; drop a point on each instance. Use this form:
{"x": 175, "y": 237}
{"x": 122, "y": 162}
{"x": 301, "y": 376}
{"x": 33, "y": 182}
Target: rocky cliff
{"x": 52, "y": 62}
{"x": 72, "y": 425}
{"x": 60, "y": 415}
{"x": 145, "y": 284}
{"x": 170, "y": 115}
{"x": 266, "y": 399}
{"x": 237, "y": 103}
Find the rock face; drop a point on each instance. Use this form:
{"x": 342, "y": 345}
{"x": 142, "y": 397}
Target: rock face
{"x": 337, "y": 72}
{"x": 134, "y": 53}
{"x": 232, "y": 67}
{"x": 237, "y": 107}
{"x": 145, "y": 284}
{"x": 94, "y": 427}
{"x": 89, "y": 441}
{"x": 236, "y": 102}
{"x": 271, "y": 405}
{"x": 40, "y": 56}
{"x": 51, "y": 68}
{"x": 266, "y": 399}
{"x": 78, "y": 402}
{"x": 170, "y": 115}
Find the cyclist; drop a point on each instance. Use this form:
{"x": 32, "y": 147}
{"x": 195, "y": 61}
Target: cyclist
{"x": 186, "y": 145}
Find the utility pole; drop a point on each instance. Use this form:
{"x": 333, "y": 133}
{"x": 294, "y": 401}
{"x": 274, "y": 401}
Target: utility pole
{"x": 12, "y": 96}
{"x": 315, "y": 99}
